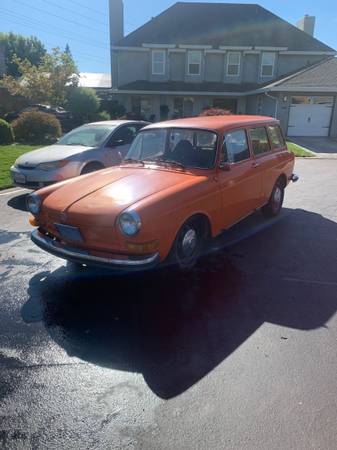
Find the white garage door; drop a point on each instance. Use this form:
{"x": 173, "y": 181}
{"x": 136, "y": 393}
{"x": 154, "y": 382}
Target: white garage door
{"x": 310, "y": 116}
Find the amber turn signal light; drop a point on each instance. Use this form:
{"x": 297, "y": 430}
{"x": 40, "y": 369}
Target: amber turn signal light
{"x": 146, "y": 247}
{"x": 33, "y": 221}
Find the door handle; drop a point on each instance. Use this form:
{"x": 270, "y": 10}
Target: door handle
{"x": 255, "y": 165}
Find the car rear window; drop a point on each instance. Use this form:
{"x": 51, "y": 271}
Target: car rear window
{"x": 260, "y": 141}
{"x": 276, "y": 137}
{"x": 236, "y": 146}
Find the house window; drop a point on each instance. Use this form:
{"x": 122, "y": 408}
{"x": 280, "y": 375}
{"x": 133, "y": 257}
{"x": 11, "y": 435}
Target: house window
{"x": 233, "y": 64}
{"x": 158, "y": 62}
{"x": 194, "y": 62}
{"x": 267, "y": 64}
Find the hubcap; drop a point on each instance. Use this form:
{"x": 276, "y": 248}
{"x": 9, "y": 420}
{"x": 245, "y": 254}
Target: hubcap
{"x": 277, "y": 198}
{"x": 189, "y": 242}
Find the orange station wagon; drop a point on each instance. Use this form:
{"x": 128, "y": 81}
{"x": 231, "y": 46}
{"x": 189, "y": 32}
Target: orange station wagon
{"x": 182, "y": 183}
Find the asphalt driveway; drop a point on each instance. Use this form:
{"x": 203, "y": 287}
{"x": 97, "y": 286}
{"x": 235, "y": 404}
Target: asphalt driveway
{"x": 319, "y": 145}
{"x": 238, "y": 354}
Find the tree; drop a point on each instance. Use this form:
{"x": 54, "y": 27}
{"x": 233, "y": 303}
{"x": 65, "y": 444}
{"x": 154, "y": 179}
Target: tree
{"x": 49, "y": 82}
{"x": 29, "y": 48}
{"x": 83, "y": 103}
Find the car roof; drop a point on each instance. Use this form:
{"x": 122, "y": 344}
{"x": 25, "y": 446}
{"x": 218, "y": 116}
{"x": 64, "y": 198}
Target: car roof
{"x": 116, "y": 122}
{"x": 214, "y": 123}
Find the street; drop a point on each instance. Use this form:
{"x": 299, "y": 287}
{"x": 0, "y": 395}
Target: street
{"x": 240, "y": 353}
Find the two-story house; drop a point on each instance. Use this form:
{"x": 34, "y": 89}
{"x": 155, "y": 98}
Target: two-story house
{"x": 197, "y": 55}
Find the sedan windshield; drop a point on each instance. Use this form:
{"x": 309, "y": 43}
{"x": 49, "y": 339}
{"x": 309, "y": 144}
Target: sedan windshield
{"x": 88, "y": 135}
{"x": 177, "y": 146}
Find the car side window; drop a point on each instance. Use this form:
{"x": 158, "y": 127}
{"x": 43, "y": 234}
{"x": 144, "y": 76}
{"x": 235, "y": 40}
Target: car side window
{"x": 260, "y": 141}
{"x": 276, "y": 137}
{"x": 235, "y": 148}
{"x": 123, "y": 136}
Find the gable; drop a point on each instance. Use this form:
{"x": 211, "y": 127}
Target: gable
{"x": 219, "y": 24}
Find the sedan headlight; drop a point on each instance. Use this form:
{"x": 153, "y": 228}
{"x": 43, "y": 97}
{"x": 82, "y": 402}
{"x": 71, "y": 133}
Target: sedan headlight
{"x": 129, "y": 223}
{"x": 52, "y": 165}
{"x": 33, "y": 204}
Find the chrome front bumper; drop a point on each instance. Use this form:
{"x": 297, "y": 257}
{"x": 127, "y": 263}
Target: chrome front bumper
{"x": 79, "y": 256}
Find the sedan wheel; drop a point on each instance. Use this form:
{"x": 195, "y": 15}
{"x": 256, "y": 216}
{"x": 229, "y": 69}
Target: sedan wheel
{"x": 188, "y": 245}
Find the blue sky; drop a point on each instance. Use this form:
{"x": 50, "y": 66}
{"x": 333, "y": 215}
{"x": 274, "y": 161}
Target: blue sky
{"x": 84, "y": 23}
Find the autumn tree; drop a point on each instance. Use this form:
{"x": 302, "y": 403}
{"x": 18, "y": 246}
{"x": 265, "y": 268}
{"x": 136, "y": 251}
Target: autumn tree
{"x": 50, "y": 82}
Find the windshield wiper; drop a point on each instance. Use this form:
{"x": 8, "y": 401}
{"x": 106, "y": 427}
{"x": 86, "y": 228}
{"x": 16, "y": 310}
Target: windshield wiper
{"x": 75, "y": 143}
{"x": 132, "y": 160}
{"x": 167, "y": 162}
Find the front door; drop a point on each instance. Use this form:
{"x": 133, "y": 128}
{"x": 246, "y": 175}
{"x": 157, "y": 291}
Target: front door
{"x": 241, "y": 185}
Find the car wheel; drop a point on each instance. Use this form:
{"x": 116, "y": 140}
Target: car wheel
{"x": 91, "y": 167}
{"x": 274, "y": 205}
{"x": 188, "y": 244}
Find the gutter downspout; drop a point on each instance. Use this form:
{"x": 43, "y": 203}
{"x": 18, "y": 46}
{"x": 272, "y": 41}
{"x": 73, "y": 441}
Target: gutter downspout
{"x": 276, "y": 103}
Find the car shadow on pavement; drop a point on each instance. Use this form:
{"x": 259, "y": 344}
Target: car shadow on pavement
{"x": 176, "y": 327}
{"x": 18, "y": 202}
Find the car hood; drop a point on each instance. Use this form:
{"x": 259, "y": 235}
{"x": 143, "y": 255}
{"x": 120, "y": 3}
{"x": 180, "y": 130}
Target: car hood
{"x": 49, "y": 154}
{"x": 96, "y": 199}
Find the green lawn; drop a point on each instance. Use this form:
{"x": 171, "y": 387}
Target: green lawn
{"x": 8, "y": 154}
{"x": 299, "y": 151}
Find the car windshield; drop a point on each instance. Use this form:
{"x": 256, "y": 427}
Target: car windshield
{"x": 88, "y": 135}
{"x": 180, "y": 146}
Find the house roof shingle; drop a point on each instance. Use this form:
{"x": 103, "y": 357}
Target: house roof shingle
{"x": 218, "y": 24}
{"x": 181, "y": 86}
{"x": 322, "y": 75}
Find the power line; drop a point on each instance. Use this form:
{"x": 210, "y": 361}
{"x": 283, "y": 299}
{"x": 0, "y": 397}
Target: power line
{"x": 74, "y": 12}
{"x": 32, "y": 23}
{"x": 58, "y": 17}
{"x": 86, "y": 7}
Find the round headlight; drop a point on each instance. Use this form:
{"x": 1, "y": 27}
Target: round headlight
{"x": 129, "y": 223}
{"x": 33, "y": 204}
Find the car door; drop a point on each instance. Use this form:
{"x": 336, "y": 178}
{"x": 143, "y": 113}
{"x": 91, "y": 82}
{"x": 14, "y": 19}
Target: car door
{"x": 264, "y": 160}
{"x": 240, "y": 182}
{"x": 119, "y": 143}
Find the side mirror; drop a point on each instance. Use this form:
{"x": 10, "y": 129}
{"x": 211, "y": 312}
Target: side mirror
{"x": 225, "y": 166}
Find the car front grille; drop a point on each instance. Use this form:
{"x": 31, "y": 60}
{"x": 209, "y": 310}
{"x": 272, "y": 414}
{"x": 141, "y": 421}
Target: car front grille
{"x": 21, "y": 166}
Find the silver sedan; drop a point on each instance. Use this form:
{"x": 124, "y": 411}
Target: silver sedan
{"x": 85, "y": 149}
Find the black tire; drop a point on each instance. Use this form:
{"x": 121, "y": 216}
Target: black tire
{"x": 188, "y": 244}
{"x": 274, "y": 205}
{"x": 91, "y": 167}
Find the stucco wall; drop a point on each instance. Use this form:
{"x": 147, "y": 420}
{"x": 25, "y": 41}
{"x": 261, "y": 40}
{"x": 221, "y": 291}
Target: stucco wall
{"x": 214, "y": 67}
{"x": 133, "y": 66}
{"x": 291, "y": 63}
{"x": 177, "y": 66}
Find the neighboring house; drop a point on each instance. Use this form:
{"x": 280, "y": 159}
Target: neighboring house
{"x": 197, "y": 55}
{"x": 95, "y": 80}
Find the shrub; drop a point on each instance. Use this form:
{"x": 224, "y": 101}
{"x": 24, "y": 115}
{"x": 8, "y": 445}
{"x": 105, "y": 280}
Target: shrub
{"x": 83, "y": 102}
{"x": 37, "y": 127}
{"x": 215, "y": 112}
{"x": 99, "y": 116}
{"x": 113, "y": 107}
{"x": 6, "y": 133}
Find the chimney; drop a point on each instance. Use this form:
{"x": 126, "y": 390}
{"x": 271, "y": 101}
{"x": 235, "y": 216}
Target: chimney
{"x": 307, "y": 24}
{"x": 116, "y": 18}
